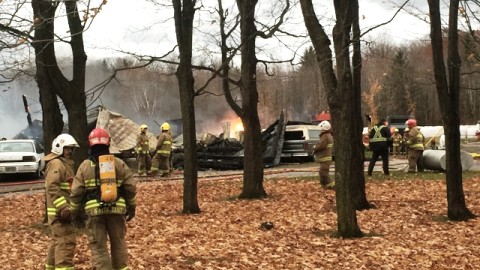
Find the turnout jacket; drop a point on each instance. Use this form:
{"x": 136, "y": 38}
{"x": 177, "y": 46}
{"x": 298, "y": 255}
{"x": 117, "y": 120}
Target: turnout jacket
{"x": 142, "y": 144}
{"x": 86, "y": 190}
{"x": 58, "y": 180}
{"x": 164, "y": 144}
{"x": 415, "y": 139}
{"x": 324, "y": 147}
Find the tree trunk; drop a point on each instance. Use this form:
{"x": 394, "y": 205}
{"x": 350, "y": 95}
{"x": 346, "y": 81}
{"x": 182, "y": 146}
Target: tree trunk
{"x": 341, "y": 98}
{"x": 359, "y": 196}
{"x": 253, "y": 161}
{"x": 52, "y": 123}
{"x": 184, "y": 14}
{"x": 448, "y": 96}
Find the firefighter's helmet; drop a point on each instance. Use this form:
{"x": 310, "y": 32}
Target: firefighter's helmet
{"x": 411, "y": 123}
{"x": 324, "y": 126}
{"x": 395, "y": 130}
{"x": 143, "y": 127}
{"x": 61, "y": 141}
{"x": 98, "y": 136}
{"x": 165, "y": 126}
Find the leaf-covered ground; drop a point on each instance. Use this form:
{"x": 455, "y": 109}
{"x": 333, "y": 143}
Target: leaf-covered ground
{"x": 405, "y": 231}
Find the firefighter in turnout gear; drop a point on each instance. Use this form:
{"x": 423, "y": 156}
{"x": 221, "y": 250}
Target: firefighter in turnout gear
{"x": 59, "y": 173}
{"x": 161, "y": 159}
{"x": 379, "y": 137}
{"x": 397, "y": 141}
{"x": 323, "y": 154}
{"x": 105, "y": 188}
{"x": 415, "y": 143}
{"x": 143, "y": 151}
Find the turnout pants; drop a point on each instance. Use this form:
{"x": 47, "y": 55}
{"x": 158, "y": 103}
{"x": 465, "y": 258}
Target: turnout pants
{"x": 62, "y": 246}
{"x": 160, "y": 164}
{"x": 415, "y": 160}
{"x": 100, "y": 228}
{"x": 324, "y": 173}
{"x": 144, "y": 163}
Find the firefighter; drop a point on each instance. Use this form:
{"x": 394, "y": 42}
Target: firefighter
{"x": 323, "y": 154}
{"x": 415, "y": 143}
{"x": 161, "y": 159}
{"x": 379, "y": 138}
{"x": 143, "y": 151}
{"x": 59, "y": 173}
{"x": 397, "y": 141}
{"x": 105, "y": 218}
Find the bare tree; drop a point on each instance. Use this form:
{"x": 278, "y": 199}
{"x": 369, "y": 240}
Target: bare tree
{"x": 344, "y": 101}
{"x": 184, "y": 13}
{"x": 448, "y": 89}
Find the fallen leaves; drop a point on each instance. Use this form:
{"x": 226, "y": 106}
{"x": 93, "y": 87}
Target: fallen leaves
{"x": 402, "y": 232}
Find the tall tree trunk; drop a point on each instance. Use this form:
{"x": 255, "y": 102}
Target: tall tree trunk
{"x": 359, "y": 196}
{"x": 52, "y": 123}
{"x": 342, "y": 103}
{"x": 448, "y": 96}
{"x": 253, "y": 161}
{"x": 184, "y": 14}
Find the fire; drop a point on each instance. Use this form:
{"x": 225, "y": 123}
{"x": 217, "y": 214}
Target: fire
{"x": 239, "y": 127}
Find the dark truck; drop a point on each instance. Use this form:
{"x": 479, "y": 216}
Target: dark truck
{"x": 398, "y": 121}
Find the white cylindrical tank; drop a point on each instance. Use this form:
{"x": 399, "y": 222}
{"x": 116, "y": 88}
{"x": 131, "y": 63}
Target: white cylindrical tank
{"x": 437, "y": 160}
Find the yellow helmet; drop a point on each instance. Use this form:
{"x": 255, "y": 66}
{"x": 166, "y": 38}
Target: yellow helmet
{"x": 165, "y": 126}
{"x": 143, "y": 127}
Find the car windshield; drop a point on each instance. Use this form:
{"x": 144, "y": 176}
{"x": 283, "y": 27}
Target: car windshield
{"x": 16, "y": 147}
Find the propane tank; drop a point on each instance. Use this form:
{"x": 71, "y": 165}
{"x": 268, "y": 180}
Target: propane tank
{"x": 108, "y": 180}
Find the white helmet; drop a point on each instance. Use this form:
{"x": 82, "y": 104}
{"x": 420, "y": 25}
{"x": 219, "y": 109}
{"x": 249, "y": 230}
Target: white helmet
{"x": 61, "y": 141}
{"x": 324, "y": 126}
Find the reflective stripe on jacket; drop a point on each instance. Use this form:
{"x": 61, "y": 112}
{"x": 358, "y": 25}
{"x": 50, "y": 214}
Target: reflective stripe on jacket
{"x": 85, "y": 184}
{"x": 58, "y": 176}
{"x": 142, "y": 144}
{"x": 378, "y": 137}
{"x": 164, "y": 144}
{"x": 415, "y": 139}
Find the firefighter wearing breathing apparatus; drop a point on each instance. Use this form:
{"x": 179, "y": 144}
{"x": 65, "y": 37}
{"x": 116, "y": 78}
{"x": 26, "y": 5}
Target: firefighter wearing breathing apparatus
{"x": 161, "y": 159}
{"x": 104, "y": 186}
{"x": 58, "y": 179}
{"x": 143, "y": 151}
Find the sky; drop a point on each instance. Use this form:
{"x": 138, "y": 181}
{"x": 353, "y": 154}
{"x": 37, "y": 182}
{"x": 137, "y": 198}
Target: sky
{"x": 142, "y": 28}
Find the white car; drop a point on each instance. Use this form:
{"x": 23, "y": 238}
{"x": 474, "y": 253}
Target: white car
{"x": 21, "y": 156}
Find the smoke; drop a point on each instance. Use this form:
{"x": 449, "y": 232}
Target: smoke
{"x": 13, "y": 117}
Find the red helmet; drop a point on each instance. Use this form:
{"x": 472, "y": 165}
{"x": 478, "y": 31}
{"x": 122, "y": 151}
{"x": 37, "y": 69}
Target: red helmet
{"x": 98, "y": 136}
{"x": 411, "y": 123}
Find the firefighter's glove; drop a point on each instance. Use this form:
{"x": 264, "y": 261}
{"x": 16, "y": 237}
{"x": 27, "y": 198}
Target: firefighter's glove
{"x": 78, "y": 220}
{"x": 65, "y": 215}
{"x": 130, "y": 212}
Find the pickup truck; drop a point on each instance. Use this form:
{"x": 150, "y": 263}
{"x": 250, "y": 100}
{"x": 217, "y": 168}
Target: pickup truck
{"x": 299, "y": 141}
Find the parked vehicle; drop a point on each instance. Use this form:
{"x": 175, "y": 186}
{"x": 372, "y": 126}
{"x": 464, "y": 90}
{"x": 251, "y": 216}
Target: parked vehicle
{"x": 21, "y": 156}
{"x": 398, "y": 121}
{"x": 299, "y": 141}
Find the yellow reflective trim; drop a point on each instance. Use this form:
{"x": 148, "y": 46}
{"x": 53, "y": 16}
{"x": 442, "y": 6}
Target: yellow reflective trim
{"x": 64, "y": 185}
{"x": 330, "y": 145}
{"x": 325, "y": 159}
{"x": 167, "y": 142}
{"x": 163, "y": 152}
{"x": 60, "y": 202}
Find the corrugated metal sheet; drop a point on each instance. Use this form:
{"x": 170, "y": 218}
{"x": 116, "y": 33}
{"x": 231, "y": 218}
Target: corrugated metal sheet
{"x": 123, "y": 131}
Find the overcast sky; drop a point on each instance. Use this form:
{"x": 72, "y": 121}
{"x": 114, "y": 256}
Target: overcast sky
{"x": 141, "y": 28}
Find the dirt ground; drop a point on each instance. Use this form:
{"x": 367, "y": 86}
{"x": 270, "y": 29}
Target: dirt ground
{"x": 407, "y": 230}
